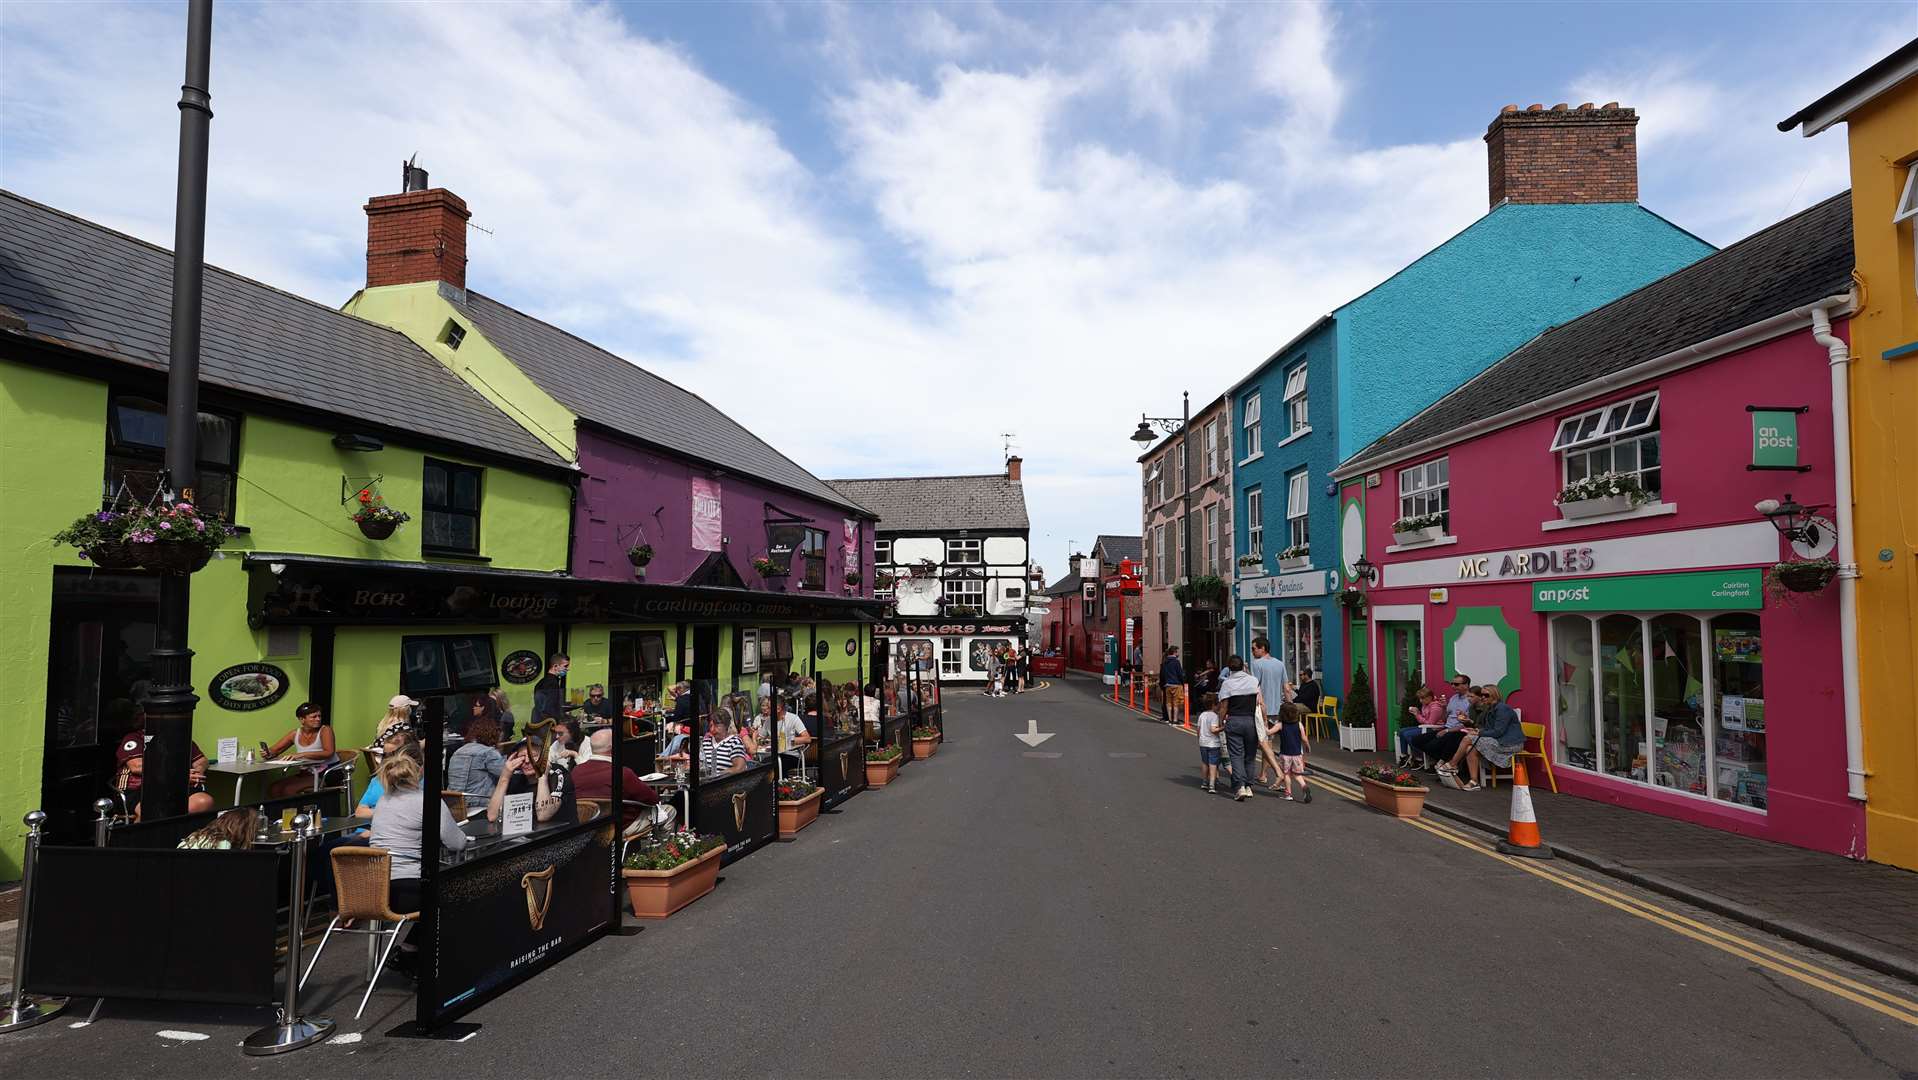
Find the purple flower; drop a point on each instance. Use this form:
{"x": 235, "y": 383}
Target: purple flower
{"x": 103, "y": 516}
{"x": 166, "y": 524}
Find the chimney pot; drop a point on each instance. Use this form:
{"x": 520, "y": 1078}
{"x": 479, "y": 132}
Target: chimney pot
{"x": 1534, "y": 107}
{"x": 1586, "y": 107}
{"x": 1508, "y": 109}
{"x": 1610, "y": 105}
{"x": 1563, "y": 155}
{"x": 416, "y": 236}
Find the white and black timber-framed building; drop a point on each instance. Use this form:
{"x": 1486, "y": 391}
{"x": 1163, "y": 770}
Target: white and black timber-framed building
{"x": 953, "y": 555}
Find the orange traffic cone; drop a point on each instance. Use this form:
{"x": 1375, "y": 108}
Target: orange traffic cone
{"x": 1522, "y": 837}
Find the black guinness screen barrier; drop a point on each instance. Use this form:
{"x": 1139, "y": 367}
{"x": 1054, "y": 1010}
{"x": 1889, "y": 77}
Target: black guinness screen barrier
{"x": 736, "y": 804}
{"x": 156, "y": 923}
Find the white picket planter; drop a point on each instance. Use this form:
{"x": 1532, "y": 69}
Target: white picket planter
{"x": 1585, "y": 508}
{"x": 1300, "y": 563}
{"x": 1359, "y": 739}
{"x": 1417, "y": 536}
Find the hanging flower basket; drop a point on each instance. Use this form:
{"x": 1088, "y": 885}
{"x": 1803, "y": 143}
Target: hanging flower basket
{"x": 377, "y": 521}
{"x": 767, "y": 568}
{"x": 173, "y": 539}
{"x": 639, "y": 555}
{"x": 1809, "y": 576}
{"x": 170, "y": 556}
{"x": 1352, "y": 600}
{"x": 377, "y": 528}
{"x": 101, "y": 539}
{"x": 110, "y": 555}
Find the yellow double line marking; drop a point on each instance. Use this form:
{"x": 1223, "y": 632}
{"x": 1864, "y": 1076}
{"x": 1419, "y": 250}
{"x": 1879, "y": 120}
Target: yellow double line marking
{"x": 1871, "y": 997}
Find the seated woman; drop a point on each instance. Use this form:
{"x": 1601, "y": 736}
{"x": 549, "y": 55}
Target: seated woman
{"x": 721, "y": 751}
{"x": 1429, "y": 716}
{"x": 129, "y": 778}
{"x": 231, "y": 830}
{"x": 475, "y": 767}
{"x": 1441, "y": 745}
{"x": 397, "y": 822}
{"x": 310, "y": 743}
{"x": 554, "y": 800}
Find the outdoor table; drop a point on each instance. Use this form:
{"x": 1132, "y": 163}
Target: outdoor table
{"x": 240, "y": 770}
{"x": 329, "y": 826}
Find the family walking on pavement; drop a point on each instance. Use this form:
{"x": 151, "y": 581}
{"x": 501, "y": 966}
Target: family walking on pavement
{"x": 1007, "y": 670}
{"x": 1251, "y": 707}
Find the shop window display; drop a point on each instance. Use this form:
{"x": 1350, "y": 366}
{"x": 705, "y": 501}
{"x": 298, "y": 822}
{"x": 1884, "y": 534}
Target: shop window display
{"x": 1678, "y": 726}
{"x": 1572, "y": 691}
{"x": 1621, "y": 652}
{"x": 1738, "y": 691}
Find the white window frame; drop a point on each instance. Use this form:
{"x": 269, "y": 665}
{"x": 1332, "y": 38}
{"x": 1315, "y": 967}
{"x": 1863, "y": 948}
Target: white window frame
{"x": 1298, "y": 508}
{"x": 1606, "y": 423}
{"x": 882, "y": 552}
{"x": 968, "y": 591}
{"x": 1155, "y": 482}
{"x": 1298, "y": 416}
{"x": 1252, "y": 424}
{"x": 1164, "y": 561}
{"x": 1305, "y": 655}
{"x": 1212, "y": 467}
{"x": 1257, "y": 622}
{"x": 1211, "y": 520}
{"x": 1255, "y": 522}
{"x": 952, "y": 655}
{"x": 965, "y": 552}
{"x": 1426, "y": 488}
{"x": 1908, "y": 199}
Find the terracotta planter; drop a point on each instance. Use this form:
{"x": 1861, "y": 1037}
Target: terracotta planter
{"x": 1406, "y": 802}
{"x": 796, "y": 815}
{"x": 170, "y": 557}
{"x": 1584, "y": 508}
{"x": 924, "y": 748}
{"x": 655, "y": 894}
{"x": 376, "y": 529}
{"x": 112, "y": 555}
{"x": 880, "y": 773}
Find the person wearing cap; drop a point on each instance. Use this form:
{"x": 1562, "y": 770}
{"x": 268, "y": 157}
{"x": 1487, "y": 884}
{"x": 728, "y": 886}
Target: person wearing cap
{"x": 130, "y": 775}
{"x": 597, "y": 708}
{"x": 311, "y": 743}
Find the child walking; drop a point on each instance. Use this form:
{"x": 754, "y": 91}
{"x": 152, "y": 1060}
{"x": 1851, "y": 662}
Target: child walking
{"x": 1293, "y": 745}
{"x": 1209, "y": 742}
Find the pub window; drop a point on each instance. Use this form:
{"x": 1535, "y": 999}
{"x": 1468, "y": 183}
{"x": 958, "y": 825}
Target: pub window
{"x": 136, "y": 455}
{"x": 965, "y": 592}
{"x": 964, "y": 551}
{"x": 637, "y": 665}
{"x": 450, "y": 508}
{"x": 951, "y": 655}
{"x": 812, "y": 555}
{"x": 445, "y": 672}
{"x": 1090, "y": 591}
{"x": 882, "y": 552}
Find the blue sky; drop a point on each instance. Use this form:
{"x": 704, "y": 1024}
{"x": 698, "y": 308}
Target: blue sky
{"x": 883, "y": 235}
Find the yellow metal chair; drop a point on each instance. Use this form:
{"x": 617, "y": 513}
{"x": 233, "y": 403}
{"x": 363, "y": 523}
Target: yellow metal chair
{"x": 1532, "y": 731}
{"x": 1325, "y": 720}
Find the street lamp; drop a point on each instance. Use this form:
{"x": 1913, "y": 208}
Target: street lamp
{"x": 1144, "y": 436}
{"x": 1792, "y": 519}
{"x": 1366, "y": 571}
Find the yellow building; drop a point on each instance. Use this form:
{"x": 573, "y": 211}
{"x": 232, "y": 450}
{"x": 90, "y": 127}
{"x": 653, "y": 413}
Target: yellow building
{"x": 1880, "y": 110}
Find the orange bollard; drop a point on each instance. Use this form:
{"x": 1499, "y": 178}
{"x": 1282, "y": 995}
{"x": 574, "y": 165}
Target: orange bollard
{"x": 1187, "y": 702}
{"x": 1521, "y": 837}
{"x": 1148, "y": 698}
{"x": 1132, "y": 692}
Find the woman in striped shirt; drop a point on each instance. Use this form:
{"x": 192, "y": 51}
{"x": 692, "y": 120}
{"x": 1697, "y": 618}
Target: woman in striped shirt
{"x": 721, "y": 751}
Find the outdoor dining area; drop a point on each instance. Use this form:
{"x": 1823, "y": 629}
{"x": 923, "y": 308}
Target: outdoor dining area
{"x": 600, "y": 811}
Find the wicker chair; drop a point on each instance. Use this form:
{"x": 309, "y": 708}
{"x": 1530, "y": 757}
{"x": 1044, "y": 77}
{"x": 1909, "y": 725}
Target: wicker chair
{"x": 364, "y": 882}
{"x": 456, "y": 803}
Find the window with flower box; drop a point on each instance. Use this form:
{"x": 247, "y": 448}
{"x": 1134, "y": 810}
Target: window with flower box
{"x": 966, "y": 592}
{"x": 1426, "y": 489}
{"x": 1618, "y": 438}
{"x": 136, "y": 455}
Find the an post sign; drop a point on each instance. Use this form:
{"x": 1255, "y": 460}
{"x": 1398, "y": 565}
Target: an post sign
{"x": 1775, "y": 437}
{"x": 1711, "y": 590}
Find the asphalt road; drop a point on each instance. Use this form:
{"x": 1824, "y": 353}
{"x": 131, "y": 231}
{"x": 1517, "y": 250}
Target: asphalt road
{"x": 1091, "y": 913}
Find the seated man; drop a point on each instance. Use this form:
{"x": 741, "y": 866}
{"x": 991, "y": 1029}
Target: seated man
{"x": 130, "y": 775}
{"x": 790, "y": 734}
{"x": 1440, "y": 745}
{"x": 721, "y": 751}
{"x": 593, "y": 779}
{"x": 554, "y": 800}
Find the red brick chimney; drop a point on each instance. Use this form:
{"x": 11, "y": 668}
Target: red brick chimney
{"x": 1012, "y": 468}
{"x": 416, "y": 236}
{"x": 1563, "y": 155}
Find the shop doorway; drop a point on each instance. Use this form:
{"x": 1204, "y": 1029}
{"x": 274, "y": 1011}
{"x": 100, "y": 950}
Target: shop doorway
{"x": 1400, "y": 642}
{"x": 101, "y": 633}
{"x": 706, "y": 661}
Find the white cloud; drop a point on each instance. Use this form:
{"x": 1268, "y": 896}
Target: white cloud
{"x": 1154, "y": 61}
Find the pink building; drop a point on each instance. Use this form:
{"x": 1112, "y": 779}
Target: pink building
{"x": 1642, "y": 630}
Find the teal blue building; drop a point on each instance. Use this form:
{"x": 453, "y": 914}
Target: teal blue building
{"x": 1564, "y": 235}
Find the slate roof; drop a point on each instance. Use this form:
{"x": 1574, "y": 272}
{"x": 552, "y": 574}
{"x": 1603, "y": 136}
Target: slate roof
{"x": 614, "y": 393}
{"x": 1802, "y": 259}
{"x": 1118, "y": 547}
{"x": 940, "y": 503}
{"x": 87, "y": 287}
{"x": 1065, "y": 586}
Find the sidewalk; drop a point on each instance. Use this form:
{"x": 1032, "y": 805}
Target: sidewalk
{"x": 1864, "y": 912}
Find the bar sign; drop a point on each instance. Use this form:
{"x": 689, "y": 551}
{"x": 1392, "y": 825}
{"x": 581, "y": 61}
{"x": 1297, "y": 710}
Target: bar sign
{"x": 1775, "y": 438}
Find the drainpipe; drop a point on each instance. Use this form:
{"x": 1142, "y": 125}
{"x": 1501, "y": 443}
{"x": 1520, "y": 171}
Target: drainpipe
{"x": 1840, "y": 355}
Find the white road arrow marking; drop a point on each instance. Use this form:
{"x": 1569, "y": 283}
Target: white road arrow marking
{"x": 1031, "y": 736}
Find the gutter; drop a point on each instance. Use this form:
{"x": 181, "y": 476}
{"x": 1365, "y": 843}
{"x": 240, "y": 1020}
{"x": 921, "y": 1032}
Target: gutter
{"x": 1840, "y": 354}
{"x": 1841, "y": 305}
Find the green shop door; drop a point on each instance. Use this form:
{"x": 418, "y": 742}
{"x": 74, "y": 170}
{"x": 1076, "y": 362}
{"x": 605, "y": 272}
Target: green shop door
{"x": 1400, "y": 642}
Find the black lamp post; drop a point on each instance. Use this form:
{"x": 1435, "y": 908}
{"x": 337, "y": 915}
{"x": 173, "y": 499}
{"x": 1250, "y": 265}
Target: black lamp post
{"x": 1145, "y": 436}
{"x": 170, "y": 707}
{"x": 1793, "y": 520}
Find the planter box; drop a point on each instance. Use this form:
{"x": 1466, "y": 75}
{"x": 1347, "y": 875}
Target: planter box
{"x": 1360, "y": 739}
{"x": 796, "y": 815}
{"x": 655, "y": 894}
{"x": 1418, "y": 536}
{"x": 1584, "y": 508}
{"x": 1303, "y": 562}
{"x": 924, "y": 748}
{"x": 880, "y": 773}
{"x": 1397, "y": 801}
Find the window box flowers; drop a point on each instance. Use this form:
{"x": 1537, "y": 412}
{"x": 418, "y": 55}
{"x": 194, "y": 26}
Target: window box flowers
{"x": 101, "y": 540}
{"x": 1392, "y": 790}
{"x": 1606, "y": 493}
{"x": 882, "y": 764}
{"x": 1297, "y": 557}
{"x": 798, "y": 802}
{"x": 1418, "y": 529}
{"x": 1251, "y": 562}
{"x": 925, "y": 742}
{"x": 767, "y": 568}
{"x": 670, "y": 872}
{"x": 377, "y": 521}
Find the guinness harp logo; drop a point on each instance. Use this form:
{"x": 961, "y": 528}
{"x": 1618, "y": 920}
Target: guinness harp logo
{"x": 739, "y": 811}
{"x": 844, "y": 772}
{"x": 539, "y": 895}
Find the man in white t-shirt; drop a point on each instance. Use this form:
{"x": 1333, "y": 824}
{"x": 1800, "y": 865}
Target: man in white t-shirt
{"x": 790, "y": 734}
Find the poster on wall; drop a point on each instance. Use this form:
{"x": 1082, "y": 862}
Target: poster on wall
{"x": 1738, "y": 646}
{"x": 851, "y": 547}
{"x": 245, "y": 687}
{"x": 707, "y": 533}
{"x": 521, "y": 667}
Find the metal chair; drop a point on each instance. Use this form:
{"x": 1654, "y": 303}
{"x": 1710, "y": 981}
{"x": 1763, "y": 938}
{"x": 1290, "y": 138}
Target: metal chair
{"x": 1532, "y": 731}
{"x": 364, "y": 885}
{"x": 1325, "y": 720}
